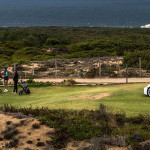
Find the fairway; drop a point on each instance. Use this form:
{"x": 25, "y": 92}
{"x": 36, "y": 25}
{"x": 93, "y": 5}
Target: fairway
{"x": 128, "y": 98}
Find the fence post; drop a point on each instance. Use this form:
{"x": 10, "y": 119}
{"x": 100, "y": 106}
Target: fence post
{"x": 118, "y": 67}
{"x": 14, "y": 66}
{"x": 140, "y": 64}
{"x": 78, "y": 73}
{"x": 126, "y": 74}
{"x": 100, "y": 68}
{"x": 55, "y": 68}
{"x": 25, "y": 74}
{"x": 33, "y": 70}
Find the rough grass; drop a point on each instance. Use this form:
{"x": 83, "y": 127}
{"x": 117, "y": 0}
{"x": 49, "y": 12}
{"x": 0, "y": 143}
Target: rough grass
{"x": 88, "y": 124}
{"x": 127, "y": 98}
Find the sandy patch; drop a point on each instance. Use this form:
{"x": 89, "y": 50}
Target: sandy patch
{"x": 90, "y": 97}
{"x": 27, "y": 136}
{"x": 98, "y": 80}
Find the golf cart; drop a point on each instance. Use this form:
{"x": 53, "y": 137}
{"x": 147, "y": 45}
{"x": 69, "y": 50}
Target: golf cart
{"x": 147, "y": 90}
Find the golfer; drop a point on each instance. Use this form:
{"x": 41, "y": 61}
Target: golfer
{"x": 15, "y": 78}
{"x": 0, "y": 74}
{"x": 6, "y": 80}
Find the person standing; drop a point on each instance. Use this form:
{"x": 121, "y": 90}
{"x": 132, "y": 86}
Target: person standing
{"x": 0, "y": 74}
{"x": 15, "y": 78}
{"x": 6, "y": 80}
{"x": 0, "y": 79}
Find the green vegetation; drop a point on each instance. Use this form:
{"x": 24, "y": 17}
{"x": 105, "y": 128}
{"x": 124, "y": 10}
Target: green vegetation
{"x": 87, "y": 124}
{"x": 127, "y": 98}
{"x": 132, "y": 58}
{"x": 41, "y": 43}
{"x": 32, "y": 83}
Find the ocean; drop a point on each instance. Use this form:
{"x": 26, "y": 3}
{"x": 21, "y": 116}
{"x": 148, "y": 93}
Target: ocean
{"x": 92, "y": 13}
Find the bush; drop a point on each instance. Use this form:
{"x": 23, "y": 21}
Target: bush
{"x": 140, "y": 119}
{"x": 69, "y": 82}
{"x": 121, "y": 119}
{"x": 132, "y": 59}
{"x": 32, "y": 83}
{"x": 52, "y": 41}
{"x": 78, "y": 128}
{"x": 87, "y": 124}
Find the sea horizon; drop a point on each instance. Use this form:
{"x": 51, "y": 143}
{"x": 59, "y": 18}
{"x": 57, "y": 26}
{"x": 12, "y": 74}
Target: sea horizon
{"x": 74, "y": 13}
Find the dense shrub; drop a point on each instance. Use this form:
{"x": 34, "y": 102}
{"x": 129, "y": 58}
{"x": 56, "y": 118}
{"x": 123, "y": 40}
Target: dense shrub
{"x": 52, "y": 42}
{"x": 32, "y": 83}
{"x": 132, "y": 59}
{"x": 68, "y": 82}
{"x": 69, "y": 42}
{"x": 87, "y": 124}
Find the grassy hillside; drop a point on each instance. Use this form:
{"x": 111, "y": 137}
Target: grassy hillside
{"x": 127, "y": 98}
{"x": 40, "y": 43}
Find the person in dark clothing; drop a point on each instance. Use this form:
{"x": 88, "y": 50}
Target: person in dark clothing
{"x": 15, "y": 78}
{"x": 0, "y": 74}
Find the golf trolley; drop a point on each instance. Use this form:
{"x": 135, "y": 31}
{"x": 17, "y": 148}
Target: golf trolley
{"x": 25, "y": 88}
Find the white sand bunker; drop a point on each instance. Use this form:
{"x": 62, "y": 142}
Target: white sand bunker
{"x": 90, "y": 97}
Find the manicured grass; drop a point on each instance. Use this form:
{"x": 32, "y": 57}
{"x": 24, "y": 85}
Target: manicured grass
{"x": 127, "y": 98}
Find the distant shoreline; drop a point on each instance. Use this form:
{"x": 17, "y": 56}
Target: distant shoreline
{"x": 113, "y": 27}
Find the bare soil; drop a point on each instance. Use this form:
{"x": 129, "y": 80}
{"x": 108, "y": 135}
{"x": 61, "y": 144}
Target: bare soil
{"x": 94, "y": 80}
{"x": 100, "y": 80}
{"x": 26, "y": 135}
{"x": 90, "y": 97}
{"x": 20, "y": 132}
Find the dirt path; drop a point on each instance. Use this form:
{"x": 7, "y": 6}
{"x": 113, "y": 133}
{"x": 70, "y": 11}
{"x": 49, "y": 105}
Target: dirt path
{"x": 95, "y": 80}
{"x": 101, "y": 80}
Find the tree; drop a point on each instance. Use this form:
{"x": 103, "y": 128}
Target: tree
{"x": 52, "y": 42}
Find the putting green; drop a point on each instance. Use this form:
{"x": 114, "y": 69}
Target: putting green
{"x": 127, "y": 98}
